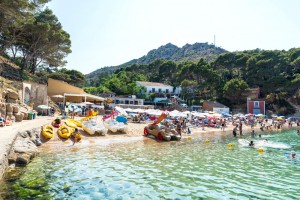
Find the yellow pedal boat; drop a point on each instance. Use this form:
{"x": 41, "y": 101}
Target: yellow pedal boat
{"x": 70, "y": 123}
{"x": 64, "y": 132}
{"x": 77, "y": 123}
{"x": 47, "y": 131}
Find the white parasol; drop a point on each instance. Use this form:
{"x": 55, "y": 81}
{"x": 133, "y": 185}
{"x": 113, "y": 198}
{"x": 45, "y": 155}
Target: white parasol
{"x": 43, "y": 107}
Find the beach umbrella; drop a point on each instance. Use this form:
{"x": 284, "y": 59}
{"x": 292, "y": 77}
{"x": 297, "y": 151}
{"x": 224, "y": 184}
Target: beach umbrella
{"x": 139, "y": 110}
{"x": 128, "y": 110}
{"x": 43, "y": 107}
{"x": 259, "y": 115}
{"x": 121, "y": 111}
{"x": 217, "y": 115}
{"x": 58, "y": 96}
{"x": 72, "y": 105}
{"x": 88, "y": 103}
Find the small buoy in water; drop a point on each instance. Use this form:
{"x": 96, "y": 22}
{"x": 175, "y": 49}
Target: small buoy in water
{"x": 260, "y": 150}
{"x": 229, "y": 145}
{"x": 207, "y": 141}
{"x": 189, "y": 138}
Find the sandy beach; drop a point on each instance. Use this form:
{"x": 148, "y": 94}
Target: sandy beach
{"x": 135, "y": 132}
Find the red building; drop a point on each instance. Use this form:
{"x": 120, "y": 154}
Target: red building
{"x": 256, "y": 107}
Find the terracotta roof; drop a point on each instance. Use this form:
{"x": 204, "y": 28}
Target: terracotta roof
{"x": 153, "y": 84}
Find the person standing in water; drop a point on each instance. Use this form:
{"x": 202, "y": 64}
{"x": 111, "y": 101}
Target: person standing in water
{"x": 241, "y": 128}
{"x": 253, "y": 134}
{"x": 223, "y": 124}
{"x": 234, "y": 131}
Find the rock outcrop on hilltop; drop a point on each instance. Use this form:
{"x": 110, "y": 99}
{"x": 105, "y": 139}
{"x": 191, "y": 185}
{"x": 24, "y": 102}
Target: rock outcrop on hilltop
{"x": 192, "y": 52}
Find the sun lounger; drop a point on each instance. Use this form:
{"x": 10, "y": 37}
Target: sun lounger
{"x": 8, "y": 123}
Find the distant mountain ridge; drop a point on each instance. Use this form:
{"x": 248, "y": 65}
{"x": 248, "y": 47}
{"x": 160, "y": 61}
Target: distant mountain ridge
{"x": 191, "y": 52}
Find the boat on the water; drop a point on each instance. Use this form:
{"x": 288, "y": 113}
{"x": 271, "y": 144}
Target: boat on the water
{"x": 115, "y": 126}
{"x": 64, "y": 132}
{"x": 47, "y": 131}
{"x": 94, "y": 128}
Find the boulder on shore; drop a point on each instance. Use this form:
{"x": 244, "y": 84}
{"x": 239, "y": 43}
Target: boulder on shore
{"x": 23, "y": 159}
{"x": 24, "y": 148}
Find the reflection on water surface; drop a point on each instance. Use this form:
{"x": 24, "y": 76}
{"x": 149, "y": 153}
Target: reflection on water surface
{"x": 146, "y": 169}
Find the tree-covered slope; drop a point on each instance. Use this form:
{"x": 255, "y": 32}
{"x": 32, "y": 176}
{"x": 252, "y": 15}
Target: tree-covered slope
{"x": 226, "y": 79}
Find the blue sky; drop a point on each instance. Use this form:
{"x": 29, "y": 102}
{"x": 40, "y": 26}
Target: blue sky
{"x": 112, "y": 32}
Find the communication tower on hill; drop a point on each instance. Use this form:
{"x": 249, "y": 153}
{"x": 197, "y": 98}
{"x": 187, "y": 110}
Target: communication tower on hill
{"x": 215, "y": 40}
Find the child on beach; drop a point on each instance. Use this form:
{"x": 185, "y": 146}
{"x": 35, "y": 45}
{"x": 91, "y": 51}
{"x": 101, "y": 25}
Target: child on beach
{"x": 234, "y": 131}
{"x": 178, "y": 128}
{"x": 223, "y": 125}
{"x": 74, "y": 135}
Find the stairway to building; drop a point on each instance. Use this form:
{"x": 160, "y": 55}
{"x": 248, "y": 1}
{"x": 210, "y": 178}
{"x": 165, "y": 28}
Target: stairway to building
{"x": 179, "y": 107}
{"x": 296, "y": 106}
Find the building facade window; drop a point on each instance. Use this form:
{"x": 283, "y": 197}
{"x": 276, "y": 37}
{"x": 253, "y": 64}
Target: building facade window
{"x": 167, "y": 90}
{"x": 256, "y": 104}
{"x": 159, "y": 90}
{"x": 153, "y": 89}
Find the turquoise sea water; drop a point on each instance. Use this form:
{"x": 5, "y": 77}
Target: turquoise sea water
{"x": 146, "y": 169}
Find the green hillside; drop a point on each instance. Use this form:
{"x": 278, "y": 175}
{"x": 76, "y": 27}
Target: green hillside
{"x": 226, "y": 78}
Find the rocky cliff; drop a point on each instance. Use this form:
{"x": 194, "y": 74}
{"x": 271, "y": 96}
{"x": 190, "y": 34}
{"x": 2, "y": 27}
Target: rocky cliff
{"x": 192, "y": 52}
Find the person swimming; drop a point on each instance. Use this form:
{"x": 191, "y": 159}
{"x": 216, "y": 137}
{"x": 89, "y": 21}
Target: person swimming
{"x": 251, "y": 144}
{"x": 293, "y": 155}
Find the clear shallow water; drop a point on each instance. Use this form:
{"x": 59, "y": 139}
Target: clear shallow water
{"x": 169, "y": 170}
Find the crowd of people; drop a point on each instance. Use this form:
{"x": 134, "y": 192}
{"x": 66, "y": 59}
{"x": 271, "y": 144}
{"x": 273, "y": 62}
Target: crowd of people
{"x": 6, "y": 121}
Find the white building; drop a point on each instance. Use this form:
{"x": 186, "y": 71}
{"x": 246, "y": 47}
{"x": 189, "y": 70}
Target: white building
{"x": 129, "y": 101}
{"x": 153, "y": 87}
{"x": 215, "y": 107}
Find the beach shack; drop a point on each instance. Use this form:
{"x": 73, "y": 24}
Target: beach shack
{"x": 256, "y": 106}
{"x": 60, "y": 91}
{"x": 215, "y": 107}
